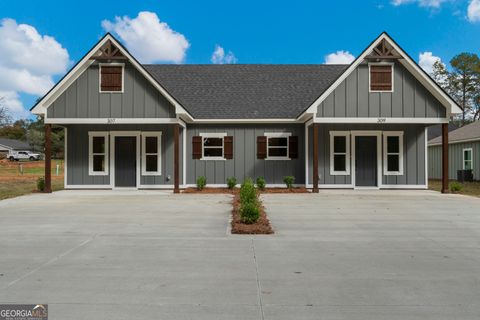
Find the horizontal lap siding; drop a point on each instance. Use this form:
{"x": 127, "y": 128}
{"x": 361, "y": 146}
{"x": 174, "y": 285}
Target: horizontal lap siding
{"x": 409, "y": 98}
{"x": 245, "y": 163}
{"x": 455, "y": 159}
{"x": 77, "y": 154}
{"x": 413, "y": 157}
{"x": 138, "y": 100}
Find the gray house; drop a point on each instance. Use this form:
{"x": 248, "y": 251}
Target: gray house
{"x": 464, "y": 152}
{"x": 7, "y": 145}
{"x": 362, "y": 125}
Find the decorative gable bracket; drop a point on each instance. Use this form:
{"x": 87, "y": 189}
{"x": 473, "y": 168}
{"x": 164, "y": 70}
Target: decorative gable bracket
{"x": 108, "y": 52}
{"x": 383, "y": 51}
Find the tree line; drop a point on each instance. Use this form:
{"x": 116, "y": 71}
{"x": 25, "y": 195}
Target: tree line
{"x": 461, "y": 80}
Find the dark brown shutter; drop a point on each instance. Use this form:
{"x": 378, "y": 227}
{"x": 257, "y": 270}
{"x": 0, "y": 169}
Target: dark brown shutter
{"x": 197, "y": 147}
{"x": 293, "y": 147}
{"x": 381, "y": 78}
{"x": 111, "y": 78}
{"x": 228, "y": 147}
{"x": 261, "y": 147}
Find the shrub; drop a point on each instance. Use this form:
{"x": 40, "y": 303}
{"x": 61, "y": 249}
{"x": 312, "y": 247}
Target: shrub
{"x": 201, "y": 182}
{"x": 248, "y": 192}
{"x": 41, "y": 184}
{"x": 456, "y": 187}
{"x": 289, "y": 180}
{"x": 261, "y": 183}
{"x": 249, "y": 212}
{"x": 231, "y": 182}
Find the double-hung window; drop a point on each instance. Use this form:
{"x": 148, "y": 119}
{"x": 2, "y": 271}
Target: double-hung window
{"x": 339, "y": 152}
{"x": 277, "y": 145}
{"x": 151, "y": 153}
{"x": 98, "y": 153}
{"x": 213, "y": 146}
{"x": 468, "y": 159}
{"x": 392, "y": 153}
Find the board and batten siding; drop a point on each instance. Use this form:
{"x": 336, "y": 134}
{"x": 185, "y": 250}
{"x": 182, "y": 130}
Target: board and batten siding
{"x": 77, "y": 154}
{"x": 245, "y": 163}
{"x": 413, "y": 153}
{"x": 353, "y": 99}
{"x": 83, "y": 98}
{"x": 455, "y": 160}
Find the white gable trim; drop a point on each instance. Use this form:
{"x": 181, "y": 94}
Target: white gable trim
{"x": 408, "y": 63}
{"x": 80, "y": 67}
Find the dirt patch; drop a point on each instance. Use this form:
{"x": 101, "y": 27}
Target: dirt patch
{"x": 209, "y": 190}
{"x": 262, "y": 226}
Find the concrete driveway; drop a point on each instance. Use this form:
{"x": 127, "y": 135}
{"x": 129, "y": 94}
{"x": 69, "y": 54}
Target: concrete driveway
{"x": 149, "y": 254}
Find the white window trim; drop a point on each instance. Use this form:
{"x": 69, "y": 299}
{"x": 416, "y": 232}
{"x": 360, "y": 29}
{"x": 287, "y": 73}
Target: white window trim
{"x": 345, "y": 134}
{"x": 471, "y": 157}
{"x": 213, "y": 135}
{"x": 158, "y": 135}
{"x": 391, "y": 64}
{"x": 113, "y": 64}
{"x": 278, "y": 135}
{"x": 398, "y": 134}
{"x": 91, "y": 135}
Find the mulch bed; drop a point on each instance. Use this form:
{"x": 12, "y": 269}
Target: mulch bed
{"x": 208, "y": 190}
{"x": 262, "y": 226}
{"x": 285, "y": 190}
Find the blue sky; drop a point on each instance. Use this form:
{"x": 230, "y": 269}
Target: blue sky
{"x": 252, "y": 31}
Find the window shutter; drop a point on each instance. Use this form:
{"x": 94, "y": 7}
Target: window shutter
{"x": 228, "y": 147}
{"x": 111, "y": 78}
{"x": 293, "y": 147}
{"x": 261, "y": 147}
{"x": 381, "y": 78}
{"x": 197, "y": 147}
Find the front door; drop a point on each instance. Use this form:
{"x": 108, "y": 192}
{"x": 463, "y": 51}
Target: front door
{"x": 365, "y": 161}
{"x": 125, "y": 162}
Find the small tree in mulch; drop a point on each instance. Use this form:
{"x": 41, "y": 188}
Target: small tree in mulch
{"x": 249, "y": 204}
{"x": 261, "y": 183}
{"x": 289, "y": 180}
{"x": 231, "y": 182}
{"x": 201, "y": 182}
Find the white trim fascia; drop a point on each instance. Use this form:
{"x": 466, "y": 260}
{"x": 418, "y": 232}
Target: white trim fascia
{"x": 143, "y": 157}
{"x": 382, "y": 187}
{"x": 91, "y": 135}
{"x": 81, "y": 66}
{"x": 87, "y": 186}
{"x": 433, "y": 88}
{"x": 373, "y": 133}
{"x": 213, "y": 134}
{"x": 381, "y": 120}
{"x": 456, "y": 141}
{"x": 345, "y": 134}
{"x": 426, "y": 157}
{"x": 398, "y": 134}
{"x": 277, "y": 134}
{"x": 155, "y": 186}
{"x": 391, "y": 64}
{"x": 112, "y": 120}
{"x": 463, "y": 157}
{"x": 220, "y": 185}
{"x": 111, "y": 64}
{"x": 335, "y": 186}
{"x": 261, "y": 120}
{"x": 403, "y": 186}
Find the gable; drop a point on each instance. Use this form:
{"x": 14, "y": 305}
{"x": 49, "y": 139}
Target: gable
{"x": 409, "y": 99}
{"x": 83, "y": 99}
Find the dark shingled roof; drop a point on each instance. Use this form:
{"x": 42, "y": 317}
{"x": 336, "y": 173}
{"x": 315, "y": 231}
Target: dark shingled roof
{"x": 468, "y": 132}
{"x": 236, "y": 91}
{"x": 14, "y": 144}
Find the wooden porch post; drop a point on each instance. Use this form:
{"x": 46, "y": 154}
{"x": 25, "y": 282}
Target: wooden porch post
{"x": 176, "y": 158}
{"x": 315, "y": 158}
{"x": 48, "y": 159}
{"x": 445, "y": 158}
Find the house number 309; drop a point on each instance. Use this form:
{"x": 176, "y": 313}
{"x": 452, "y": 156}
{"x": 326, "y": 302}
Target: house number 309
{"x": 111, "y": 120}
{"x": 381, "y": 120}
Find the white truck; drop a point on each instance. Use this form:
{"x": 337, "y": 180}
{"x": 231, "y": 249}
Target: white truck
{"x": 23, "y": 155}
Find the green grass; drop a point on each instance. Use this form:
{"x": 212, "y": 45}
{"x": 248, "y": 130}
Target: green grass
{"x": 13, "y": 183}
{"x": 469, "y": 188}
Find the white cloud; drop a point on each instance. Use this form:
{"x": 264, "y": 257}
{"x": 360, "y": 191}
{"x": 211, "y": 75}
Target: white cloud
{"x": 426, "y": 61}
{"x": 473, "y": 11}
{"x": 148, "y": 38}
{"x": 219, "y": 56}
{"x": 339, "y": 57}
{"x": 28, "y": 62}
{"x": 421, "y": 3}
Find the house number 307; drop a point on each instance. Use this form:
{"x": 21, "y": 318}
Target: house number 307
{"x": 381, "y": 120}
{"x": 111, "y": 120}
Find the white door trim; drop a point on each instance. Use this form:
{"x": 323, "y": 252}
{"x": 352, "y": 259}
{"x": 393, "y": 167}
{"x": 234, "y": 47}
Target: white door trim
{"x": 360, "y": 133}
{"x": 114, "y": 134}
